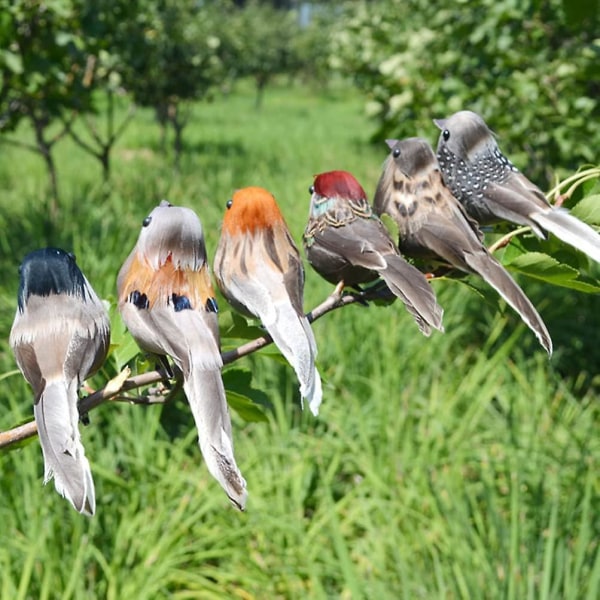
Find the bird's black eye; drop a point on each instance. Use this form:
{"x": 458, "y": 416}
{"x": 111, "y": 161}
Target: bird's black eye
{"x": 396, "y": 152}
{"x": 446, "y": 135}
{"x": 146, "y": 221}
{"x": 311, "y": 189}
{"x": 229, "y": 203}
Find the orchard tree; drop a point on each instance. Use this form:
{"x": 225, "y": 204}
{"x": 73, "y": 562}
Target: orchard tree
{"x": 526, "y": 67}
{"x": 113, "y": 32}
{"x": 177, "y": 60}
{"x": 42, "y": 75}
{"x": 531, "y": 69}
{"x": 262, "y": 44}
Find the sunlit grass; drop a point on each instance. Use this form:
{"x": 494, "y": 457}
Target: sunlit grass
{"x": 459, "y": 466}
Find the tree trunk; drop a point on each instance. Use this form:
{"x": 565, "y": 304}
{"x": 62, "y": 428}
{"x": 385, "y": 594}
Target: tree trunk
{"x": 261, "y": 84}
{"x": 104, "y": 159}
{"x": 161, "y": 116}
{"x": 178, "y": 124}
{"x": 45, "y": 149}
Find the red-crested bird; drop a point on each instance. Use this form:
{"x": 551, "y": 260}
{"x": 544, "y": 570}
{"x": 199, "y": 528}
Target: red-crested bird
{"x": 60, "y": 336}
{"x": 258, "y": 268}
{"x": 346, "y": 242}
{"x": 431, "y": 222}
{"x": 167, "y": 301}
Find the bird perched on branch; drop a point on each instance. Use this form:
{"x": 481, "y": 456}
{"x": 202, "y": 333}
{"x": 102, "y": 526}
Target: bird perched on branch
{"x": 258, "y": 269}
{"x": 167, "y": 301}
{"x": 432, "y": 222}
{"x": 346, "y": 242}
{"x": 492, "y": 189}
{"x": 60, "y": 336}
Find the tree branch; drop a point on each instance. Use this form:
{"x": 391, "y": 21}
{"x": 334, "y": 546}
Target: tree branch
{"x": 19, "y": 144}
{"x": 114, "y": 389}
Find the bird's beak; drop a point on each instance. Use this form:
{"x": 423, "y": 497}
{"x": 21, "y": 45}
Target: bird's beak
{"x": 391, "y": 143}
{"x": 441, "y": 123}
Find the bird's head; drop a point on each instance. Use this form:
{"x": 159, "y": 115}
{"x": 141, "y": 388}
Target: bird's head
{"x": 249, "y": 210}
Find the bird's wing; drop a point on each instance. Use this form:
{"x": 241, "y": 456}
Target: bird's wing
{"x": 446, "y": 231}
{"x": 361, "y": 243}
{"x": 515, "y": 200}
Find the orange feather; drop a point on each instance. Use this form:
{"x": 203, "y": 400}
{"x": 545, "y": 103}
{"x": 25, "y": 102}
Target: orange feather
{"x": 160, "y": 285}
{"x": 249, "y": 210}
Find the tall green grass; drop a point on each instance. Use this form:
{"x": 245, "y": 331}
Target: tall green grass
{"x": 460, "y": 466}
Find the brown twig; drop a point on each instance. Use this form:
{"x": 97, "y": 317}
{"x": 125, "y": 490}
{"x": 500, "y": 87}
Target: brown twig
{"x": 114, "y": 389}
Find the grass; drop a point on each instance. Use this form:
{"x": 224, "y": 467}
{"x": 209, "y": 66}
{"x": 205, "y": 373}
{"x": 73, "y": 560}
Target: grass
{"x": 460, "y": 466}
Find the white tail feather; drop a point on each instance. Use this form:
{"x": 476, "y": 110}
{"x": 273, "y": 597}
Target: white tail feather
{"x": 57, "y": 419}
{"x": 206, "y": 396}
{"x": 570, "y": 230}
{"x": 294, "y": 337}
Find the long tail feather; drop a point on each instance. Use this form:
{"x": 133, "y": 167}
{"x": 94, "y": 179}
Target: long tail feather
{"x": 495, "y": 274}
{"x": 409, "y": 284}
{"x": 570, "y": 230}
{"x": 57, "y": 420}
{"x": 293, "y": 335}
{"x": 206, "y": 396}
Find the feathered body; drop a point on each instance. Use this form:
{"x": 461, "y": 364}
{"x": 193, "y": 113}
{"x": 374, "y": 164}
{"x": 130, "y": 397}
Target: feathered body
{"x": 346, "y": 242}
{"x": 167, "y": 301}
{"x": 492, "y": 189}
{"x": 60, "y": 336}
{"x": 258, "y": 268}
{"x": 431, "y": 221}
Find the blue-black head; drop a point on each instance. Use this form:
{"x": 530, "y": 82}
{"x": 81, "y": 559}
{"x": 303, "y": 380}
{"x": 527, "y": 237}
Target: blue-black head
{"x": 49, "y": 271}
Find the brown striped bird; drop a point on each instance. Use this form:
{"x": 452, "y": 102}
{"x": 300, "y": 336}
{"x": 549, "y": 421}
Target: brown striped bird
{"x": 346, "y": 243}
{"x": 492, "y": 189}
{"x": 60, "y": 336}
{"x": 168, "y": 303}
{"x": 258, "y": 268}
{"x": 432, "y": 223}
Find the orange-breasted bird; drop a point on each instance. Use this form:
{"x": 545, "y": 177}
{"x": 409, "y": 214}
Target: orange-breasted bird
{"x": 60, "y": 336}
{"x": 346, "y": 242}
{"x": 258, "y": 268}
{"x": 432, "y": 222}
{"x": 167, "y": 301}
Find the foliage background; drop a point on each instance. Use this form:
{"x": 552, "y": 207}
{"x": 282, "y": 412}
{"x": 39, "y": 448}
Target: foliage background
{"x": 460, "y": 466}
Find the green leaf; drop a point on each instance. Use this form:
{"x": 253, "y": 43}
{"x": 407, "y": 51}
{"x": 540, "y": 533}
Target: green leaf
{"x": 12, "y": 61}
{"x": 391, "y": 226}
{"x": 545, "y": 268}
{"x": 588, "y": 209}
{"x": 244, "y": 407}
{"x": 578, "y": 11}
{"x": 234, "y": 325}
{"x": 242, "y": 397}
{"x": 62, "y": 38}
{"x": 122, "y": 345}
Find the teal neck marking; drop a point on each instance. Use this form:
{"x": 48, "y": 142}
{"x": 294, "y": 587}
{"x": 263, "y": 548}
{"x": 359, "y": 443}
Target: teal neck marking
{"x": 322, "y": 205}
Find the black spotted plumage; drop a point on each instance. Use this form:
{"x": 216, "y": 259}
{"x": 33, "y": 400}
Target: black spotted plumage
{"x": 492, "y": 189}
